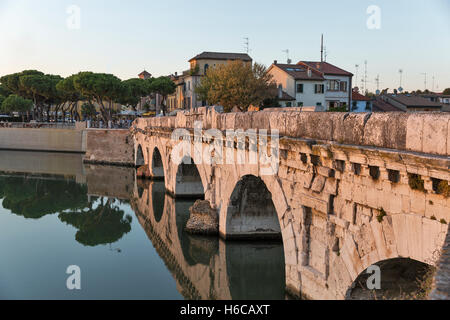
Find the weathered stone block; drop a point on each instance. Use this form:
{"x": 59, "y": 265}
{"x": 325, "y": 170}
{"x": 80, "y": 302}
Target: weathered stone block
{"x": 435, "y": 132}
{"x": 414, "y": 132}
{"x": 318, "y": 184}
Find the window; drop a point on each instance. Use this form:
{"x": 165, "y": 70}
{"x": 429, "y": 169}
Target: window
{"x": 300, "y": 104}
{"x": 319, "y": 88}
{"x": 343, "y": 86}
{"x": 333, "y": 85}
{"x": 288, "y": 104}
{"x": 299, "y": 87}
{"x": 319, "y": 104}
{"x": 206, "y": 67}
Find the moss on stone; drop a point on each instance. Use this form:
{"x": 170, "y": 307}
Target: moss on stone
{"x": 415, "y": 182}
{"x": 381, "y": 215}
{"x": 443, "y": 188}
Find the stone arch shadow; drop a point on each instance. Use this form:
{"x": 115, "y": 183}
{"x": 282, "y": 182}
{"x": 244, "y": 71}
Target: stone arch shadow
{"x": 404, "y": 241}
{"x": 139, "y": 156}
{"x": 157, "y": 164}
{"x": 189, "y": 180}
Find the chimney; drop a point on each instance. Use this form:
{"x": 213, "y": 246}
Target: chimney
{"x": 309, "y": 73}
{"x": 275, "y": 62}
{"x": 176, "y": 74}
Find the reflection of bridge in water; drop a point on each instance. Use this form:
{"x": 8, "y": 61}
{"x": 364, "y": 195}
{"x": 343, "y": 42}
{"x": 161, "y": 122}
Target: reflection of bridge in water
{"x": 205, "y": 268}
{"x": 208, "y": 268}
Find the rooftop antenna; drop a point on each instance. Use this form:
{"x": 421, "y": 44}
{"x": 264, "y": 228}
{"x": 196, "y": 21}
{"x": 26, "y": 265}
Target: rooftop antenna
{"x": 321, "y": 49}
{"x": 357, "y": 67}
{"x": 432, "y": 86}
{"x": 400, "y": 88}
{"x": 401, "y": 76}
{"x": 247, "y": 45}
{"x": 326, "y": 53}
{"x": 365, "y": 76}
{"x": 377, "y": 79}
{"x": 425, "y": 74}
{"x": 287, "y": 54}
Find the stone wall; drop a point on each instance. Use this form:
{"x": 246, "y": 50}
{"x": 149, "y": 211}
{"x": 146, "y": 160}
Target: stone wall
{"x": 105, "y": 146}
{"x": 44, "y": 139}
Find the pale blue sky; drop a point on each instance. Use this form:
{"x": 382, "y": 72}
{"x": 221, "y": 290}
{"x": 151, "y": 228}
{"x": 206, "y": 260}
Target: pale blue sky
{"x": 124, "y": 37}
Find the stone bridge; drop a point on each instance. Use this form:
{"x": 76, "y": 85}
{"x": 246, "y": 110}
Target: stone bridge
{"x": 347, "y": 191}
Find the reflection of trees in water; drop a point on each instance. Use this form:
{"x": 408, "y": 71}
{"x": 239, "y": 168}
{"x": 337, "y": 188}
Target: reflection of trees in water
{"x": 34, "y": 198}
{"x": 105, "y": 224}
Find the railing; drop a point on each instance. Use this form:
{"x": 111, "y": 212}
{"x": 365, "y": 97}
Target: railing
{"x": 36, "y": 125}
{"x": 123, "y": 124}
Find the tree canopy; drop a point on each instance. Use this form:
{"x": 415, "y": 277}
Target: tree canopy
{"x": 237, "y": 84}
{"x": 446, "y": 91}
{"x": 104, "y": 89}
{"x": 163, "y": 86}
{"x": 15, "y": 103}
{"x": 134, "y": 90}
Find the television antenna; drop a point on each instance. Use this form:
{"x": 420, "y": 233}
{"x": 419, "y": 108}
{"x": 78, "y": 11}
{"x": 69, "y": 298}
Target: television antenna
{"x": 377, "y": 79}
{"x": 287, "y": 54}
{"x": 425, "y": 75}
{"x": 357, "y": 67}
{"x": 247, "y": 44}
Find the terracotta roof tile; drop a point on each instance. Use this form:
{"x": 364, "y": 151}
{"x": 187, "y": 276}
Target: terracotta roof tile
{"x": 222, "y": 56}
{"x": 299, "y": 72}
{"x": 326, "y": 68}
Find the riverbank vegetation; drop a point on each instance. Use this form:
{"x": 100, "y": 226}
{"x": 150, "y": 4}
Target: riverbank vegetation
{"x": 43, "y": 96}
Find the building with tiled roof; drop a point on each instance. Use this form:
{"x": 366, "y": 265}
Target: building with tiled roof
{"x": 222, "y": 56}
{"x": 411, "y": 103}
{"x": 360, "y": 103}
{"x": 304, "y": 84}
{"x": 144, "y": 75}
{"x": 338, "y": 83}
{"x": 185, "y": 96}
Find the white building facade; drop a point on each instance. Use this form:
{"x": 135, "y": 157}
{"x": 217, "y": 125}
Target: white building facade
{"x": 305, "y": 85}
{"x": 338, "y": 89}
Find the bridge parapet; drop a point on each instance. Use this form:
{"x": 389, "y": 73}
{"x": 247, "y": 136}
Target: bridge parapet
{"x": 418, "y": 132}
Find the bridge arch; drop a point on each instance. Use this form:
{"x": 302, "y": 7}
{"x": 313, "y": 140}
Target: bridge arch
{"x": 157, "y": 168}
{"x": 140, "y": 158}
{"x": 188, "y": 180}
{"x": 251, "y": 213}
{"x": 402, "y": 242}
{"x": 402, "y": 278}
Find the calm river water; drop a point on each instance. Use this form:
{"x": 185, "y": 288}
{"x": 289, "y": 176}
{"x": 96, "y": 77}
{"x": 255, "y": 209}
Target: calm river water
{"x": 127, "y": 237}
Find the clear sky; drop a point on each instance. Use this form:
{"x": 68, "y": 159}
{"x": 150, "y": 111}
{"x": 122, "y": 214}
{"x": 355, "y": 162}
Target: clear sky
{"x": 125, "y": 37}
